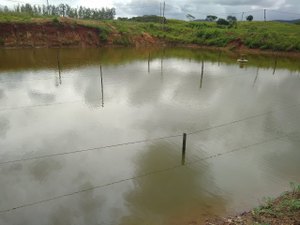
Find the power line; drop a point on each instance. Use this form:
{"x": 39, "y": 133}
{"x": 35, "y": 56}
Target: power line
{"x": 89, "y": 149}
{"x": 241, "y": 120}
{"x": 41, "y": 105}
{"x": 142, "y": 141}
{"x": 138, "y": 176}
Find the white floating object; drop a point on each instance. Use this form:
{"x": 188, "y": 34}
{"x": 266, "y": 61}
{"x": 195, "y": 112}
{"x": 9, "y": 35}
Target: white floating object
{"x": 242, "y": 60}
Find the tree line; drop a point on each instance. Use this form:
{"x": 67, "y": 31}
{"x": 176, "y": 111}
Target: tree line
{"x": 63, "y": 10}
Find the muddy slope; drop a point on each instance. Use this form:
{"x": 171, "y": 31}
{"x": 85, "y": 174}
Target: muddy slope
{"x": 19, "y": 35}
{"x": 63, "y": 34}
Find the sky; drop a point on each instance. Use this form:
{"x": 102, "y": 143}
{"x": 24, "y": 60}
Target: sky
{"x": 178, "y": 9}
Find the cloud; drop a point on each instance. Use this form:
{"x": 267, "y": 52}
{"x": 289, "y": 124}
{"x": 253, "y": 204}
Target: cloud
{"x": 198, "y": 8}
{"x": 178, "y": 9}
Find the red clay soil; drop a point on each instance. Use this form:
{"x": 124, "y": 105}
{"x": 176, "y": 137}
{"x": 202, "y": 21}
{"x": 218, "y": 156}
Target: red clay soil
{"x": 62, "y": 34}
{"x": 47, "y": 35}
{"x": 69, "y": 34}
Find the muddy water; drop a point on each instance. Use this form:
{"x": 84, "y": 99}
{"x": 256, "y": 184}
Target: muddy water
{"x": 76, "y": 148}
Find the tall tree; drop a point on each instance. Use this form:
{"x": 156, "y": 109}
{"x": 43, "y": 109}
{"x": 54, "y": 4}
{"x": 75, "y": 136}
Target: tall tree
{"x": 190, "y": 17}
{"x": 211, "y": 18}
{"x": 249, "y": 18}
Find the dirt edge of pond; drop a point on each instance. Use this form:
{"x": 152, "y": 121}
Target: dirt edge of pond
{"x": 284, "y": 210}
{"x": 66, "y": 34}
{"x": 48, "y": 34}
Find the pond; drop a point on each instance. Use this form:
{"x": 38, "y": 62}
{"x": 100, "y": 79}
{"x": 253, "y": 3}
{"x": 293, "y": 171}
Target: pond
{"x": 94, "y": 136}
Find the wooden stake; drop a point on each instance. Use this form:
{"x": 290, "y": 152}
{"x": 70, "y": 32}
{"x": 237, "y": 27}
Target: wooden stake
{"x": 183, "y": 149}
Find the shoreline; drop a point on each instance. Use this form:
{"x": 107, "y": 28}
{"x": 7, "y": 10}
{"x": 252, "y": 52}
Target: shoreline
{"x": 68, "y": 33}
{"x": 283, "y": 210}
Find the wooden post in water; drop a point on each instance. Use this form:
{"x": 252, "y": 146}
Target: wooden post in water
{"x": 101, "y": 80}
{"x": 202, "y": 73}
{"x": 183, "y": 149}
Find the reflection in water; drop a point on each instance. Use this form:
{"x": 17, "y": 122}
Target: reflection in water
{"x": 149, "y": 59}
{"x": 39, "y": 97}
{"x": 58, "y": 81}
{"x": 41, "y": 170}
{"x": 162, "y": 65}
{"x": 219, "y": 58}
{"x": 202, "y": 73}
{"x": 1, "y": 93}
{"x": 85, "y": 211}
{"x": 180, "y": 195}
{"x": 255, "y": 79}
{"x": 4, "y": 126}
{"x": 275, "y": 66}
{"x": 141, "y": 107}
{"x": 102, "y": 89}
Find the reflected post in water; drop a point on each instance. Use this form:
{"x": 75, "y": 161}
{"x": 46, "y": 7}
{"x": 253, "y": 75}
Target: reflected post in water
{"x": 275, "y": 66}
{"x": 149, "y": 63}
{"x": 59, "y": 82}
{"x": 162, "y": 66}
{"x": 101, "y": 82}
{"x": 202, "y": 73}
{"x": 257, "y": 72}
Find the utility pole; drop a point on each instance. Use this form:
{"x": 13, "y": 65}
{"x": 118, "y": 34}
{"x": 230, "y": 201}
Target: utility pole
{"x": 48, "y": 7}
{"x": 163, "y": 16}
{"x": 265, "y": 15}
{"x": 160, "y": 9}
{"x": 243, "y": 16}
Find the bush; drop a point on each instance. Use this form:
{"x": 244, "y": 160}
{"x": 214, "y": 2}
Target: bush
{"x": 208, "y": 34}
{"x": 124, "y": 41}
{"x": 1, "y": 41}
{"x": 55, "y": 20}
{"x": 222, "y": 22}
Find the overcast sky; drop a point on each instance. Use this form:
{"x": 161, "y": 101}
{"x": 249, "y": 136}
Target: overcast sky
{"x": 179, "y": 8}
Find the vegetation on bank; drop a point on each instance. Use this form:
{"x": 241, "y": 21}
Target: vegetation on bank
{"x": 274, "y": 36}
{"x": 282, "y": 210}
{"x": 61, "y": 10}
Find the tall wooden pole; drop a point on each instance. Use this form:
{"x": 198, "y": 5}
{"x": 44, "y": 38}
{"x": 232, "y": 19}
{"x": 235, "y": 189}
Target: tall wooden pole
{"x": 48, "y": 7}
{"x": 164, "y": 7}
{"x": 183, "y": 149}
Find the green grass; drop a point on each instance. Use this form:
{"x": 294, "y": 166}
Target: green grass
{"x": 20, "y": 17}
{"x": 274, "y": 36}
{"x": 257, "y": 35}
{"x": 288, "y": 204}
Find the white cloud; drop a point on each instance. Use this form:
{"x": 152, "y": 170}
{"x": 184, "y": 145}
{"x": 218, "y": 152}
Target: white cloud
{"x": 178, "y": 8}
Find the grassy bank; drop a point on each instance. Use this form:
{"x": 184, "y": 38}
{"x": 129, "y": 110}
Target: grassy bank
{"x": 273, "y": 36}
{"x": 282, "y": 210}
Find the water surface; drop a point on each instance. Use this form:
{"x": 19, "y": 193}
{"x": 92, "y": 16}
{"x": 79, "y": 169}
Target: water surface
{"x": 78, "y": 149}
